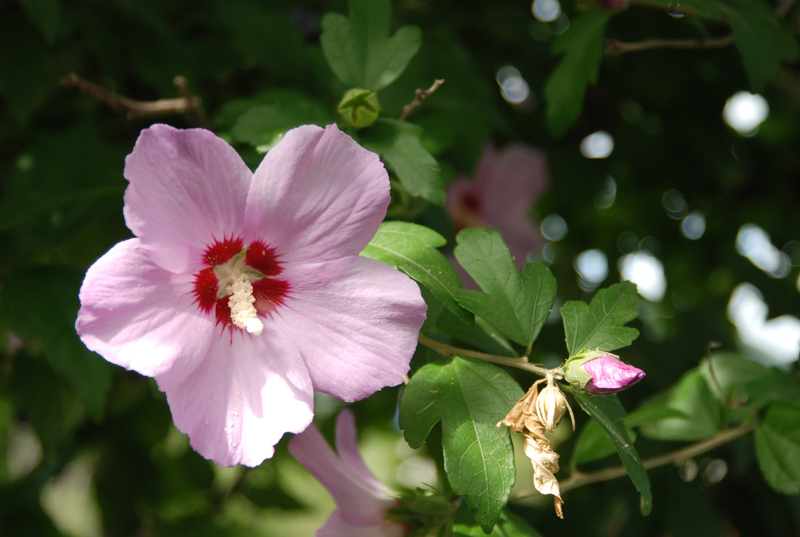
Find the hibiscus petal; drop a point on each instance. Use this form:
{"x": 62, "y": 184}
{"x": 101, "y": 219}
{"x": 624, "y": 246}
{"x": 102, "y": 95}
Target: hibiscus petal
{"x": 336, "y": 526}
{"x": 141, "y": 317}
{"x": 346, "y": 445}
{"x": 355, "y": 322}
{"x": 317, "y": 196}
{"x": 187, "y": 188}
{"x": 352, "y": 495}
{"x": 245, "y": 395}
{"x": 518, "y": 177}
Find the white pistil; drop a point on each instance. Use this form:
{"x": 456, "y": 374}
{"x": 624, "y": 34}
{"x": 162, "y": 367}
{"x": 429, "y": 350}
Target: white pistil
{"x": 243, "y": 313}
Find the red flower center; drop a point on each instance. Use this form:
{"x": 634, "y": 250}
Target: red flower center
{"x": 228, "y": 262}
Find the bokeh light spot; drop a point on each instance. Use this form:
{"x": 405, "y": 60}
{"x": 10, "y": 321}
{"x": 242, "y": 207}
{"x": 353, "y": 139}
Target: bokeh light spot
{"x": 754, "y": 243}
{"x": 592, "y": 267}
{"x": 744, "y": 112}
{"x": 675, "y": 204}
{"x": 546, "y": 10}
{"x": 553, "y": 227}
{"x": 597, "y": 145}
{"x": 647, "y": 272}
{"x": 693, "y": 225}
{"x": 776, "y": 340}
{"x": 513, "y": 87}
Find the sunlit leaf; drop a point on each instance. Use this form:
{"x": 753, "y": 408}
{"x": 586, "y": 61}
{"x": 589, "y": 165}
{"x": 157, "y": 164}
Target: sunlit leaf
{"x": 608, "y": 412}
{"x": 599, "y": 325}
{"x": 778, "y": 446}
{"x": 515, "y": 304}
{"x": 413, "y": 249}
{"x": 469, "y": 397}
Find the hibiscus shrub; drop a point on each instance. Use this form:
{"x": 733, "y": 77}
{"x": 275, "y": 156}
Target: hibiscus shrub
{"x": 361, "y": 250}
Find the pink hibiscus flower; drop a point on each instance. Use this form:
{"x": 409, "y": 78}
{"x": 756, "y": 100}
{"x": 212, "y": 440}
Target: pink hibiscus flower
{"x": 242, "y": 292}
{"x": 362, "y": 501}
{"x": 504, "y": 187}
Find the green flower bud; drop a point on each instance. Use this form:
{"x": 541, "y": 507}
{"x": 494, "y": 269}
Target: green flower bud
{"x": 360, "y": 107}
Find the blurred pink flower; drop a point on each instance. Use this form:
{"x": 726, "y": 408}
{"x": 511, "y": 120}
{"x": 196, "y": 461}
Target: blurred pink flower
{"x": 505, "y": 185}
{"x": 243, "y": 293}
{"x": 362, "y": 501}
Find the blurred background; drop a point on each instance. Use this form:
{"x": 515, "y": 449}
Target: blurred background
{"x": 676, "y": 176}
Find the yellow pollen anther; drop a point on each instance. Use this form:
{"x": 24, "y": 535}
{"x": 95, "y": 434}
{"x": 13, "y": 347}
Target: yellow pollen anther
{"x": 243, "y": 313}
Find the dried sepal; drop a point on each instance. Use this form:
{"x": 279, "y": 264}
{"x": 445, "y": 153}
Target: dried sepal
{"x": 523, "y": 410}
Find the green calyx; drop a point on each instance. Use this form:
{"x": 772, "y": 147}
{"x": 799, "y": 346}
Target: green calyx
{"x": 360, "y": 107}
{"x": 424, "y": 512}
{"x": 575, "y": 374}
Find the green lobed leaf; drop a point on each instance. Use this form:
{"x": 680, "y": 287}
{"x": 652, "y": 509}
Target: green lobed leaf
{"x": 469, "y": 397}
{"x": 42, "y": 303}
{"x": 412, "y": 249}
{"x": 515, "y": 304}
{"x": 692, "y": 396}
{"x": 582, "y": 45}
{"x": 599, "y": 325}
{"x": 359, "y": 49}
{"x": 608, "y": 412}
{"x": 777, "y": 439}
{"x": 398, "y": 144}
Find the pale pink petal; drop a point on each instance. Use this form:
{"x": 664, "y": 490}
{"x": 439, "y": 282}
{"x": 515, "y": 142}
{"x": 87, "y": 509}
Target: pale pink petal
{"x": 336, "y": 526}
{"x": 356, "y": 323}
{"x": 141, "y": 317}
{"x": 522, "y": 236}
{"x": 483, "y": 177}
{"x": 187, "y": 188}
{"x": 354, "y": 497}
{"x": 347, "y": 446}
{"x": 246, "y": 394}
{"x": 317, "y": 196}
{"x": 518, "y": 178}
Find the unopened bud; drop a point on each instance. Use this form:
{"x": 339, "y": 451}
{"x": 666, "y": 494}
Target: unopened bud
{"x": 360, "y": 107}
{"x": 600, "y": 373}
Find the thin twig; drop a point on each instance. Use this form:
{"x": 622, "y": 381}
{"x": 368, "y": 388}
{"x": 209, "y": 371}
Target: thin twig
{"x": 421, "y": 96}
{"x": 617, "y": 48}
{"x": 614, "y": 47}
{"x": 579, "y": 479}
{"x": 133, "y": 108}
{"x": 448, "y": 350}
{"x": 783, "y": 8}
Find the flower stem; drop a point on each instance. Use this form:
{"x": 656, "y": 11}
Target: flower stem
{"x": 579, "y": 479}
{"x": 448, "y": 350}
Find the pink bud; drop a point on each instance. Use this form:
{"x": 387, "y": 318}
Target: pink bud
{"x": 609, "y": 374}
